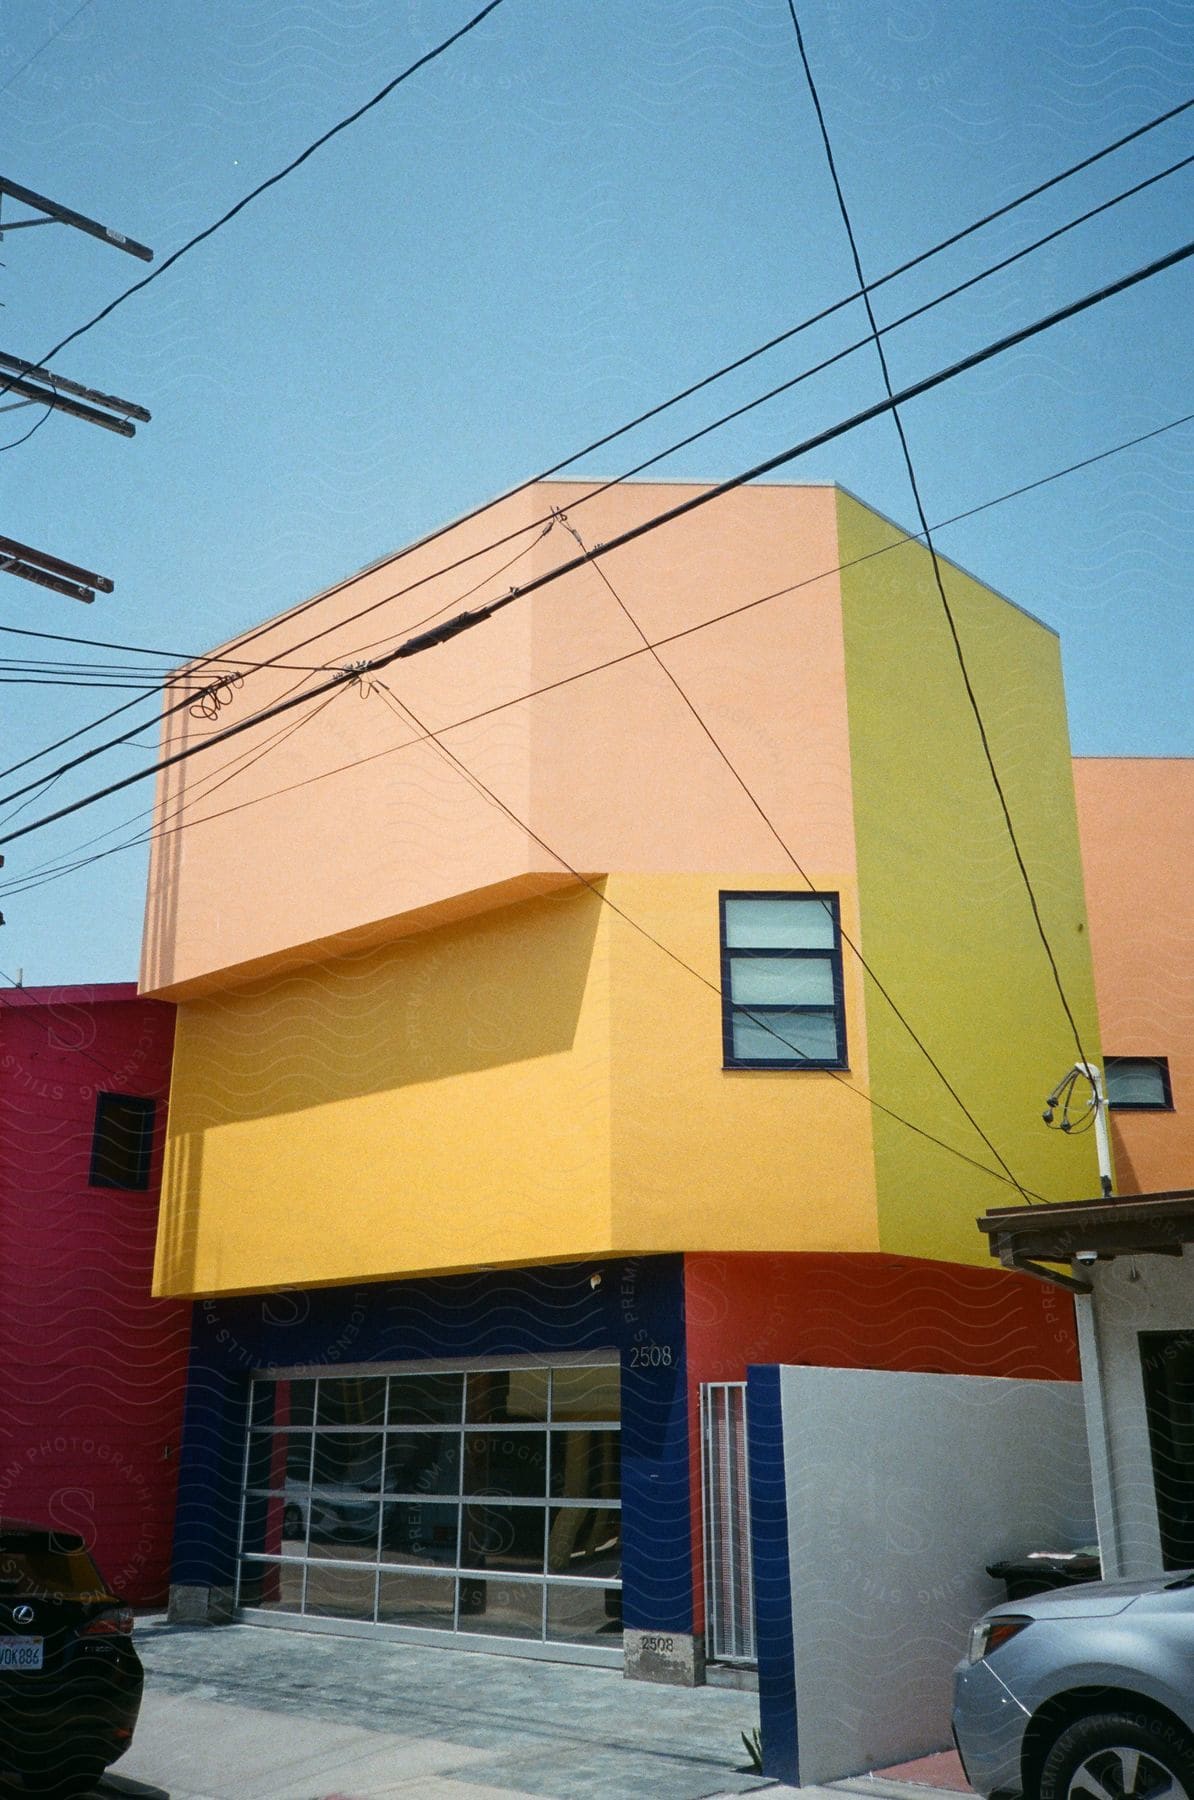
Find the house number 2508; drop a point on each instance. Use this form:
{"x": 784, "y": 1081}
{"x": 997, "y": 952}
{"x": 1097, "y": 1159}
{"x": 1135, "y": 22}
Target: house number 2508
{"x": 650, "y": 1356}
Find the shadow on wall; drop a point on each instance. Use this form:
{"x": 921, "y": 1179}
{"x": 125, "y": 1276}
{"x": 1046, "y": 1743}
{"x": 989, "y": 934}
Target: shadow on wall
{"x": 480, "y": 995}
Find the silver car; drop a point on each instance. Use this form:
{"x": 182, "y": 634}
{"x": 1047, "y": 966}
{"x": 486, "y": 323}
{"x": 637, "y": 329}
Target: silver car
{"x": 1086, "y": 1693}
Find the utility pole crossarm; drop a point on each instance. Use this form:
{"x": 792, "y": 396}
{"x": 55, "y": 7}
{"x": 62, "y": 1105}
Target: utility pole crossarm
{"x": 53, "y": 212}
{"x": 50, "y": 571}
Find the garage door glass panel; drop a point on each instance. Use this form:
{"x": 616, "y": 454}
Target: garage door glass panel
{"x": 338, "y": 1592}
{"x": 352, "y": 1402}
{"x": 422, "y": 1462}
{"x": 586, "y": 1395}
{"x": 497, "y": 1396}
{"x": 506, "y": 1462}
{"x": 273, "y": 1586}
{"x": 346, "y": 1529}
{"x": 503, "y": 1537}
{"x": 425, "y": 1399}
{"x": 283, "y": 1403}
{"x": 585, "y": 1541}
{"x": 586, "y": 1465}
{"x": 409, "y": 1599}
{"x": 413, "y": 1531}
{"x": 349, "y": 1459}
{"x": 502, "y": 1608}
{"x": 583, "y": 1615}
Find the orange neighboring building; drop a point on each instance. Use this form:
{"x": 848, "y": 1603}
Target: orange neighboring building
{"x": 1131, "y": 1255}
{"x": 1136, "y": 823}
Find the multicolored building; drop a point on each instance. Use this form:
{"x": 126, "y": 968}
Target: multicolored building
{"x": 638, "y": 986}
{"x": 91, "y": 1416}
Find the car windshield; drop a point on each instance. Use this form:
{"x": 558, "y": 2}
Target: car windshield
{"x": 69, "y": 1574}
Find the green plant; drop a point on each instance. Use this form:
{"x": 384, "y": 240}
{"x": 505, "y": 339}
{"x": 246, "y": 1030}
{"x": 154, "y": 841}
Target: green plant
{"x": 754, "y": 1749}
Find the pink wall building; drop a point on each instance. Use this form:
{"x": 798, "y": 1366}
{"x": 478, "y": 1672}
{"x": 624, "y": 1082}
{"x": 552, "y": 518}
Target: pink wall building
{"x": 93, "y": 1367}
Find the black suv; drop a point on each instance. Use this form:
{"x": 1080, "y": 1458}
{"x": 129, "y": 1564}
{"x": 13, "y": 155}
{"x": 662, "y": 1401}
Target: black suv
{"x": 70, "y": 1680}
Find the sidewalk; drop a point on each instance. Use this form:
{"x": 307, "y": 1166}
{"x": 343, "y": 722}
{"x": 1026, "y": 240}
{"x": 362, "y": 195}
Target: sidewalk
{"x": 244, "y": 1713}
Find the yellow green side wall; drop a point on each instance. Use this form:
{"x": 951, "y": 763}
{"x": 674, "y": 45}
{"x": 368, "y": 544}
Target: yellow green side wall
{"x": 947, "y": 923}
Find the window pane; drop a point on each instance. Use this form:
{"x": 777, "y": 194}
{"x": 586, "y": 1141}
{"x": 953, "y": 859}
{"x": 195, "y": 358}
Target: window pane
{"x": 350, "y": 1459}
{"x": 779, "y": 922}
{"x": 122, "y": 1141}
{"x": 276, "y": 1586}
{"x": 415, "y": 1531}
{"x": 1136, "y": 1081}
{"x": 335, "y": 1592}
{"x": 348, "y": 1402}
{"x": 586, "y": 1465}
{"x": 585, "y": 1541}
{"x": 495, "y": 1396}
{"x": 422, "y": 1462}
{"x": 346, "y": 1529}
{"x": 505, "y": 1609}
{"x": 267, "y": 1461}
{"x": 425, "y": 1600}
{"x": 781, "y": 980}
{"x": 503, "y": 1537}
{"x": 498, "y": 1462}
{"x": 283, "y": 1402}
{"x": 785, "y": 1037}
{"x": 425, "y": 1399}
{"x": 586, "y": 1394}
{"x": 584, "y": 1615}
{"x": 265, "y": 1526}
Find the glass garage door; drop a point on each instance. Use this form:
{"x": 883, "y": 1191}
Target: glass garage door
{"x": 484, "y": 1502}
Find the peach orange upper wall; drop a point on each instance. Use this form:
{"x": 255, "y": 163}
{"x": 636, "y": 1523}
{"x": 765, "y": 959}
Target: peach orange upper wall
{"x": 351, "y": 825}
{"x": 1136, "y": 817}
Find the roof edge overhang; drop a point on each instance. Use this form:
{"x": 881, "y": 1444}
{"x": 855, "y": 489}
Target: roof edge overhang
{"x": 1027, "y": 1237}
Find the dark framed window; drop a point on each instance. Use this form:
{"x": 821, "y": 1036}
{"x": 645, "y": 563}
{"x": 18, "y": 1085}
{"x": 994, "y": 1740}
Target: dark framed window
{"x": 1138, "y": 1083}
{"x": 781, "y": 982}
{"x": 122, "y": 1141}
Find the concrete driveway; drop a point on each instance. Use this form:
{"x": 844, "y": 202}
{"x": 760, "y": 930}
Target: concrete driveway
{"x": 245, "y": 1713}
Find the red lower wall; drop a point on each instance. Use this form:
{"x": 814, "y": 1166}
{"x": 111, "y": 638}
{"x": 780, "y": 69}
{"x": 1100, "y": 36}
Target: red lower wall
{"x": 864, "y": 1312}
{"x": 93, "y": 1368}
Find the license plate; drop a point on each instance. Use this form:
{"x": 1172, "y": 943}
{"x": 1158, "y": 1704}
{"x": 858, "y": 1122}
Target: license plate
{"x": 22, "y": 1653}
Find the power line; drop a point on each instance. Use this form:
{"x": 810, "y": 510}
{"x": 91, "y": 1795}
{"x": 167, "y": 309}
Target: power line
{"x": 681, "y": 962}
{"x": 46, "y": 872}
{"x": 740, "y": 362}
{"x": 188, "y": 699}
{"x": 270, "y": 181}
{"x": 451, "y": 628}
{"x": 773, "y": 828}
{"x": 653, "y": 412}
{"x": 44, "y": 45}
{"x": 971, "y": 696}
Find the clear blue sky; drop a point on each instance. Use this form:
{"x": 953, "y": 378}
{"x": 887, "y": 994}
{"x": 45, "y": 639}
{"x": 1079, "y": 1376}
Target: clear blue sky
{"x": 577, "y": 211}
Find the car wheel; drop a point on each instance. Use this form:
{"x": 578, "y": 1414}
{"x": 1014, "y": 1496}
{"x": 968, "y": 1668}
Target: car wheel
{"x": 1120, "y": 1756}
{"x": 292, "y": 1522}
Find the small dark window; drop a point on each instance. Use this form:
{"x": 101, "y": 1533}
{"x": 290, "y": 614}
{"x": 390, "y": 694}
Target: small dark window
{"x": 781, "y": 982}
{"x": 1139, "y": 1082}
{"x": 123, "y": 1140}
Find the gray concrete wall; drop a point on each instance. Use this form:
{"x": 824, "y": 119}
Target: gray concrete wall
{"x": 1131, "y": 1295}
{"x": 900, "y": 1488}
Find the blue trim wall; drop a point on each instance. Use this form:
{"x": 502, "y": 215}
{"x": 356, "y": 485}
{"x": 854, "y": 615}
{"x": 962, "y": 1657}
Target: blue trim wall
{"x": 772, "y": 1574}
{"x": 638, "y": 1308}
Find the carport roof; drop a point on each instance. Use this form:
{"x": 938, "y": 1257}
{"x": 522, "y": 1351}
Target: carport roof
{"x": 1025, "y": 1237}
